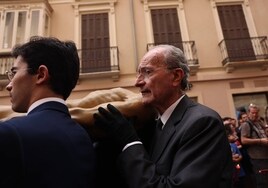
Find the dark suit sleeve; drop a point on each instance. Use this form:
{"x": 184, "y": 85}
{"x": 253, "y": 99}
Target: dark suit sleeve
{"x": 10, "y": 157}
{"x": 197, "y": 155}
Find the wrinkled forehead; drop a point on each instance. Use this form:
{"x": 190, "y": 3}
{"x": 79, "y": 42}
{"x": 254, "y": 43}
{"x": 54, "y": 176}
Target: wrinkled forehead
{"x": 154, "y": 57}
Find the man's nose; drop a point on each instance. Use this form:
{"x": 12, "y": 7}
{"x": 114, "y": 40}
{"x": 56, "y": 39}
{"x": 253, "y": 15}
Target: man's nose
{"x": 139, "y": 81}
{"x": 9, "y": 86}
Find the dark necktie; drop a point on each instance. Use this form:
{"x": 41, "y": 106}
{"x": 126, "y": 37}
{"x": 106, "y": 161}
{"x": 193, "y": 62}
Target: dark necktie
{"x": 158, "y": 128}
{"x": 157, "y": 133}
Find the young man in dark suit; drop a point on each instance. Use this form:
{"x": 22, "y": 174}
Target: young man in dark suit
{"x": 191, "y": 149}
{"x": 45, "y": 148}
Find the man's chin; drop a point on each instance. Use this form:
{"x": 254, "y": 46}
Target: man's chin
{"x": 146, "y": 101}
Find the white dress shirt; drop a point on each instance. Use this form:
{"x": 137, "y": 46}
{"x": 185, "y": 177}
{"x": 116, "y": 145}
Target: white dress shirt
{"x": 164, "y": 118}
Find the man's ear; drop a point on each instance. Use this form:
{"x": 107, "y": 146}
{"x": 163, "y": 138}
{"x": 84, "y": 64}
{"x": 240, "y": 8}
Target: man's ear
{"x": 178, "y": 75}
{"x": 42, "y": 74}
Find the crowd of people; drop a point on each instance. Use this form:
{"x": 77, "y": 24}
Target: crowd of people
{"x": 248, "y": 138}
{"x": 186, "y": 145}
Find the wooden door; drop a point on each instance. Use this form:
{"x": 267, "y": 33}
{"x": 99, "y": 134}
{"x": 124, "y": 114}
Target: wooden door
{"x": 235, "y": 33}
{"x": 95, "y": 43}
{"x": 166, "y": 27}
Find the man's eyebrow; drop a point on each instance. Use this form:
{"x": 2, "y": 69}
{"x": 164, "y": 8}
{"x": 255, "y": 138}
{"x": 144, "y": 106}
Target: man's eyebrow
{"x": 144, "y": 68}
{"x": 147, "y": 67}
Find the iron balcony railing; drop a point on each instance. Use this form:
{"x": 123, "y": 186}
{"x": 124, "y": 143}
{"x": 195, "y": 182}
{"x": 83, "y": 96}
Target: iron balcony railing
{"x": 243, "y": 49}
{"x": 6, "y": 62}
{"x": 99, "y": 59}
{"x": 91, "y": 60}
{"x": 188, "y": 47}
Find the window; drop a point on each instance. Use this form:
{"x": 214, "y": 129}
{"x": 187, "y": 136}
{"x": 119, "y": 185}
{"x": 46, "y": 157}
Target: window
{"x": 238, "y": 39}
{"x": 166, "y": 27}
{"x": 166, "y": 24}
{"x": 34, "y": 23}
{"x": 170, "y": 15}
{"x": 95, "y": 43}
{"x": 235, "y": 32}
{"x": 8, "y": 30}
{"x": 19, "y": 23}
{"x": 21, "y": 27}
{"x": 96, "y": 36}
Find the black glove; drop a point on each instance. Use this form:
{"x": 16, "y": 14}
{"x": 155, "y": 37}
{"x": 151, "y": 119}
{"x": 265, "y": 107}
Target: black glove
{"x": 116, "y": 125}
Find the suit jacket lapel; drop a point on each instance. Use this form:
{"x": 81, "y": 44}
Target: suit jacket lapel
{"x": 163, "y": 140}
{"x": 170, "y": 127}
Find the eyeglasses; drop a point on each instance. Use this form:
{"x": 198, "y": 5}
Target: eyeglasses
{"x": 146, "y": 72}
{"x": 11, "y": 73}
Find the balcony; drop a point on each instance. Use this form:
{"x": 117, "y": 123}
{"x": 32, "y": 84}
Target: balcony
{"x": 189, "y": 50}
{"x": 6, "y": 62}
{"x": 244, "y": 52}
{"x": 99, "y": 62}
{"x": 94, "y": 62}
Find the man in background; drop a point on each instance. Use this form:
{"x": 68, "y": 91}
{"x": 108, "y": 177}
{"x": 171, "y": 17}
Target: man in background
{"x": 253, "y": 136}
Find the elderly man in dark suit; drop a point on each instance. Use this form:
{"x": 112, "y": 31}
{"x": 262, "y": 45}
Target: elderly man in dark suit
{"x": 189, "y": 146}
{"x": 45, "y": 148}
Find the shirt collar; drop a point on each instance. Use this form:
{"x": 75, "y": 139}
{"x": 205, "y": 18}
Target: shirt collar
{"x": 165, "y": 116}
{"x": 41, "y": 101}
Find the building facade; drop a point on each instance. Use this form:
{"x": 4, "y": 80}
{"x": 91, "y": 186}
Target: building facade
{"x": 225, "y": 42}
